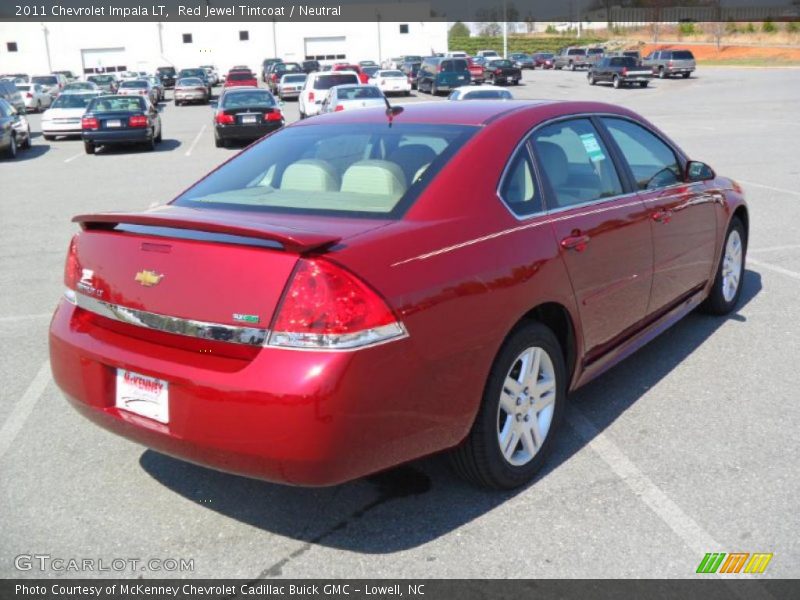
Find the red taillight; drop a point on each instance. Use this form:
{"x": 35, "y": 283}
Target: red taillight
{"x": 498, "y": 71}
{"x": 624, "y": 70}
{"x": 137, "y": 121}
{"x": 326, "y": 306}
{"x": 273, "y": 116}
{"x": 72, "y": 268}
{"x": 89, "y": 123}
{"x": 142, "y": 91}
{"x": 339, "y": 107}
{"x": 224, "y": 119}
{"x": 310, "y": 96}
{"x": 29, "y": 95}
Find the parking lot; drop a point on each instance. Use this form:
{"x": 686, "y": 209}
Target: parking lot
{"x": 689, "y": 446}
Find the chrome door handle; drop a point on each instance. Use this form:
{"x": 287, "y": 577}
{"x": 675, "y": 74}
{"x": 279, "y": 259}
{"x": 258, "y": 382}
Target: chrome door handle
{"x": 662, "y": 216}
{"x": 575, "y": 242}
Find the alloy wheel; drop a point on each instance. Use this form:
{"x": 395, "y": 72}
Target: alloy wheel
{"x": 732, "y": 266}
{"x": 527, "y": 404}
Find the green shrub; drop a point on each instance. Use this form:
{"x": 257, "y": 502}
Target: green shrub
{"x": 551, "y": 29}
{"x": 686, "y": 29}
{"x": 768, "y": 27}
{"x": 471, "y": 45}
{"x": 731, "y": 28}
{"x": 792, "y": 27}
{"x": 750, "y": 28}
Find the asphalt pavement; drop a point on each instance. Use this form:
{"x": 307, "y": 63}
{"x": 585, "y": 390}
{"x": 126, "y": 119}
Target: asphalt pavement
{"x": 689, "y": 446}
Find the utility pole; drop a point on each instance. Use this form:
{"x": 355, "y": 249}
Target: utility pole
{"x": 380, "y": 49}
{"x": 274, "y": 41}
{"x": 46, "y": 33}
{"x": 505, "y": 31}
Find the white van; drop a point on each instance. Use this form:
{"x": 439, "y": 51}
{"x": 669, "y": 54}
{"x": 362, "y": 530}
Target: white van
{"x": 316, "y": 89}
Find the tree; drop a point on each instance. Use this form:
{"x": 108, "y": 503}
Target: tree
{"x": 491, "y": 29}
{"x": 459, "y": 30}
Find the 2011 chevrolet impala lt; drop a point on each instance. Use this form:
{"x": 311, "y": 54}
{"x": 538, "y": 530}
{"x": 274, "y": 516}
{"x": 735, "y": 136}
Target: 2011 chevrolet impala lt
{"x": 361, "y": 289}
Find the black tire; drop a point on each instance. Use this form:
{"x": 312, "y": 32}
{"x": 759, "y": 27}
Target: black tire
{"x": 571, "y": 66}
{"x": 150, "y": 144}
{"x": 28, "y": 141}
{"x": 644, "y": 84}
{"x": 38, "y": 106}
{"x": 685, "y": 75}
{"x": 434, "y": 89}
{"x": 219, "y": 142}
{"x": 89, "y": 147}
{"x": 478, "y": 458}
{"x": 49, "y": 138}
{"x": 11, "y": 151}
{"x": 592, "y": 80}
{"x": 616, "y": 82}
{"x": 159, "y": 137}
{"x": 662, "y": 74}
{"x": 716, "y": 303}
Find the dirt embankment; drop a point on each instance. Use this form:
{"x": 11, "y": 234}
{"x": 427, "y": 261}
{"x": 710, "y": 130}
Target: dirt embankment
{"x": 733, "y": 54}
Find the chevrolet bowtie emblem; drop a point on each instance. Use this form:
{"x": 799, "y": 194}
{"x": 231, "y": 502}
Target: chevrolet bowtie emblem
{"x": 148, "y": 278}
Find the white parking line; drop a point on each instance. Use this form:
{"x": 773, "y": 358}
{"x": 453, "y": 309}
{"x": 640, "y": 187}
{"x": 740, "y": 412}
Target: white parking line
{"x": 196, "y": 139}
{"x": 775, "y": 268}
{"x": 769, "y": 187}
{"x": 25, "y": 317}
{"x": 23, "y": 408}
{"x": 774, "y": 248}
{"x": 71, "y": 158}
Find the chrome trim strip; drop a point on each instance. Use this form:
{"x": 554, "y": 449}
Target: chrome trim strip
{"x": 250, "y": 336}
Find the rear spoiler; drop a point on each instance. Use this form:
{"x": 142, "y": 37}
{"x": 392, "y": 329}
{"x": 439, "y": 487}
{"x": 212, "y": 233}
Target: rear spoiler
{"x": 293, "y": 240}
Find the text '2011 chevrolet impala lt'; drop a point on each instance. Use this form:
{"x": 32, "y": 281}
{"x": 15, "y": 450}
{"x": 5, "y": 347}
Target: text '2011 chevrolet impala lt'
{"x": 361, "y": 289}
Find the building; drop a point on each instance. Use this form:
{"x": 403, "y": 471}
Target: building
{"x": 105, "y": 46}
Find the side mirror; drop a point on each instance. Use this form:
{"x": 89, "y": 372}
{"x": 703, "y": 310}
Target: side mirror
{"x": 698, "y": 171}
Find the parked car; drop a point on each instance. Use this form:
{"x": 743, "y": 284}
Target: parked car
{"x": 620, "y": 71}
{"x": 488, "y": 55}
{"x": 501, "y": 71}
{"x": 51, "y": 84}
{"x": 244, "y": 115}
{"x": 34, "y": 97}
{"x": 168, "y": 76}
{"x": 371, "y": 70}
{"x": 158, "y": 86}
{"x": 115, "y": 120}
{"x": 631, "y": 53}
{"x": 570, "y": 58}
{"x": 198, "y": 72}
{"x": 391, "y": 82}
{"x": 351, "y": 97}
{"x": 453, "y": 54}
{"x": 15, "y": 131}
{"x": 80, "y": 86}
{"x": 522, "y": 60}
{"x": 310, "y": 66}
{"x": 290, "y": 85}
{"x": 127, "y": 75}
{"x": 212, "y": 73}
{"x": 64, "y": 116}
{"x": 240, "y": 79}
{"x": 368, "y": 63}
{"x": 11, "y": 94}
{"x": 364, "y": 254}
{"x": 17, "y": 77}
{"x": 190, "y": 89}
{"x": 316, "y": 89}
{"x": 410, "y": 69}
{"x": 593, "y": 55}
{"x": 68, "y": 75}
{"x": 666, "y": 63}
{"x": 475, "y": 67}
{"x": 278, "y": 70}
{"x": 265, "y": 64}
{"x": 543, "y": 60}
{"x": 440, "y": 74}
{"x": 138, "y": 87}
{"x": 393, "y": 63}
{"x": 362, "y": 76}
{"x": 484, "y": 92}
{"x": 107, "y": 83}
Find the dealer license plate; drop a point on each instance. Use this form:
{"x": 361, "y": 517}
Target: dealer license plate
{"x": 143, "y": 395}
{"x": 249, "y": 119}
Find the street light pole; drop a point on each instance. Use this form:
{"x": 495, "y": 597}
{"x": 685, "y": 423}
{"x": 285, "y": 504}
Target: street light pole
{"x": 505, "y": 31}
{"x": 46, "y": 32}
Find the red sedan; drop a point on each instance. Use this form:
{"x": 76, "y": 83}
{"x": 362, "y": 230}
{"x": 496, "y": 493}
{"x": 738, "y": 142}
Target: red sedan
{"x": 240, "y": 79}
{"x": 342, "y": 296}
{"x": 362, "y": 76}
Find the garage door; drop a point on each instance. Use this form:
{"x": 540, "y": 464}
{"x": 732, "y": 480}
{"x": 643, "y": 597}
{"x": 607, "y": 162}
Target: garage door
{"x": 326, "y": 48}
{"x": 103, "y": 60}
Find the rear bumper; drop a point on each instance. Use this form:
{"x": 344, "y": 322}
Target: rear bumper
{"x": 124, "y": 136}
{"x": 61, "y": 129}
{"x": 246, "y": 132}
{"x": 298, "y": 417}
{"x": 289, "y": 93}
{"x": 191, "y": 96}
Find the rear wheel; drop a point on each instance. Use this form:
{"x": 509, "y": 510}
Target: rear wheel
{"x": 150, "y": 145}
{"x": 11, "y": 151}
{"x": 727, "y": 285}
{"x": 88, "y": 147}
{"x": 592, "y": 80}
{"x": 685, "y": 75}
{"x": 218, "y": 141}
{"x": 617, "y": 82}
{"x": 644, "y": 84}
{"x": 27, "y": 144}
{"x": 662, "y": 74}
{"x": 158, "y": 137}
{"x": 49, "y": 138}
{"x": 434, "y": 89}
{"x": 520, "y": 412}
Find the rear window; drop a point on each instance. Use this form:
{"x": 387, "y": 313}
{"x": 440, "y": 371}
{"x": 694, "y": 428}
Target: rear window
{"x": 294, "y": 78}
{"x": 193, "y": 73}
{"x": 371, "y": 170}
{"x": 488, "y": 95}
{"x": 501, "y": 64}
{"x": 682, "y": 55}
{"x": 576, "y": 52}
{"x": 166, "y": 70}
{"x": 358, "y": 92}
{"x": 391, "y": 74}
{"x": 101, "y": 78}
{"x": 72, "y": 101}
{"x": 595, "y": 50}
{"x": 191, "y": 81}
{"x": 255, "y": 99}
{"x": 134, "y": 84}
{"x": 455, "y": 65}
{"x": 240, "y": 76}
{"x": 326, "y": 82}
{"x": 23, "y": 87}
{"x": 115, "y": 103}
{"x": 47, "y": 80}
{"x": 623, "y": 61}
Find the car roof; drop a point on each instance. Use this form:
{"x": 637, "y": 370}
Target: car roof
{"x": 479, "y": 88}
{"x": 475, "y": 112}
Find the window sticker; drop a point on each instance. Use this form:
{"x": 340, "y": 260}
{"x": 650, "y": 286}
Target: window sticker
{"x": 592, "y": 147}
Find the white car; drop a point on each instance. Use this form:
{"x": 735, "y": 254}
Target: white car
{"x": 36, "y": 99}
{"x": 350, "y": 97}
{"x": 213, "y": 74}
{"x": 484, "y": 92}
{"x": 127, "y": 75}
{"x": 456, "y": 54}
{"x": 391, "y": 82}
{"x": 51, "y": 84}
{"x": 316, "y": 89}
{"x": 64, "y": 116}
{"x": 488, "y": 55}
{"x": 138, "y": 87}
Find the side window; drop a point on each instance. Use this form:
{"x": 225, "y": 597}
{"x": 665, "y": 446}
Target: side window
{"x": 576, "y": 163}
{"x": 518, "y": 188}
{"x": 653, "y": 163}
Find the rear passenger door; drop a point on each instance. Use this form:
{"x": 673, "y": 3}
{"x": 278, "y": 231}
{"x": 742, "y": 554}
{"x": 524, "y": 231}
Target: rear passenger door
{"x": 603, "y": 232}
{"x": 682, "y": 215}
